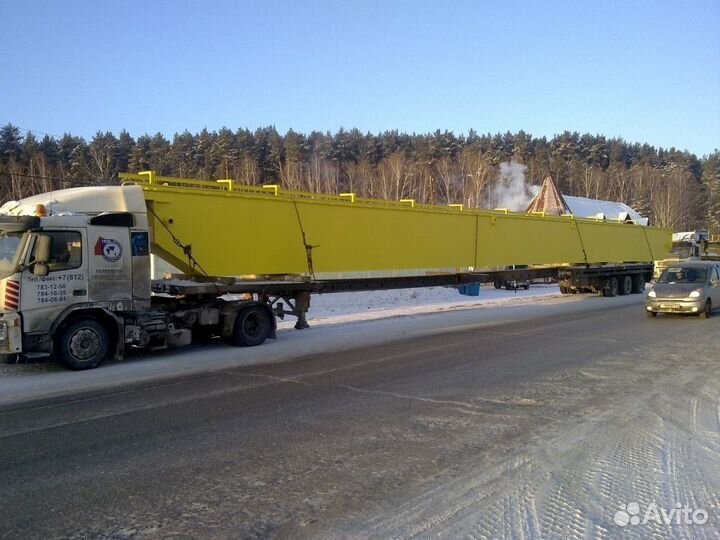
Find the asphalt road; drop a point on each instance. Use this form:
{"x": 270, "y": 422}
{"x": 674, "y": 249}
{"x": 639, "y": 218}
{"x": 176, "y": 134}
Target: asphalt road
{"x": 536, "y": 429}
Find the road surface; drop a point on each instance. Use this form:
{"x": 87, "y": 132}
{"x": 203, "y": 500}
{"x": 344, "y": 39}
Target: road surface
{"x": 537, "y": 428}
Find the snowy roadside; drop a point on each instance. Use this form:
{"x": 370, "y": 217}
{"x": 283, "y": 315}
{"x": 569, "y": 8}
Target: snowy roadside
{"x": 342, "y": 308}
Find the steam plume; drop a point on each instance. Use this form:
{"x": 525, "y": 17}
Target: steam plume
{"x": 511, "y": 190}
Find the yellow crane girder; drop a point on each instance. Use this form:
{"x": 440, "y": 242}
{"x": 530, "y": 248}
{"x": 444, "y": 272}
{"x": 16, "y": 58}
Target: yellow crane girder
{"x": 237, "y": 230}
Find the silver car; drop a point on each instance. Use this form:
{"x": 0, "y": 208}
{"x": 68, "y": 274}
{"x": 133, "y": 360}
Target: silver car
{"x": 686, "y": 287}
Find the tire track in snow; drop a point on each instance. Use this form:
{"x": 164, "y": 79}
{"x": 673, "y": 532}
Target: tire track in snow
{"x": 640, "y": 450}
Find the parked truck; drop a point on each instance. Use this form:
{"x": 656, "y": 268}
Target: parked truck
{"x": 75, "y": 264}
{"x": 698, "y": 244}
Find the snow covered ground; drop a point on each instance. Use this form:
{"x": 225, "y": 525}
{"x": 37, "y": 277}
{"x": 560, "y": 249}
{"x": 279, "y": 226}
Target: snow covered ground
{"x": 338, "y": 308}
{"x": 627, "y": 446}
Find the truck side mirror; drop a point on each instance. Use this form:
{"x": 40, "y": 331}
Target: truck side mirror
{"x": 39, "y": 265}
{"x": 40, "y": 269}
{"x": 42, "y": 249}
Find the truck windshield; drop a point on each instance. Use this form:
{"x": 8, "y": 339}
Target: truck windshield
{"x": 683, "y": 274}
{"x": 10, "y": 243}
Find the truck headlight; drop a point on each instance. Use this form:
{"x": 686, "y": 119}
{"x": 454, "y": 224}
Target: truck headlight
{"x": 652, "y": 294}
{"x": 3, "y": 331}
{"x": 694, "y": 294}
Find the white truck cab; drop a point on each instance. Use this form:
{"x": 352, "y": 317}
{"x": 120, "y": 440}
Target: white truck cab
{"x": 74, "y": 254}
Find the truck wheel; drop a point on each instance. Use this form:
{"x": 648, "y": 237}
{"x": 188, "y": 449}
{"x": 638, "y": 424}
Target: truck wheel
{"x": 611, "y": 287}
{"x": 625, "y": 283}
{"x": 707, "y": 312}
{"x": 564, "y": 290}
{"x": 83, "y": 344}
{"x": 638, "y": 284}
{"x": 253, "y": 325}
{"x": 498, "y": 284}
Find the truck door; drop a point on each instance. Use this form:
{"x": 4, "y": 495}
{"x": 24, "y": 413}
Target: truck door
{"x": 42, "y": 299}
{"x": 110, "y": 266}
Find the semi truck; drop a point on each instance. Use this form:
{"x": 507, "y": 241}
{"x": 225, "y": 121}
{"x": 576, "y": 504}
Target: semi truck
{"x": 698, "y": 244}
{"x": 75, "y": 264}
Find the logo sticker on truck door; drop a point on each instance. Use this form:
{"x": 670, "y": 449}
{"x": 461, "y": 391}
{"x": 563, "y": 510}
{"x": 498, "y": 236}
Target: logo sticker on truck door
{"x": 109, "y": 248}
{"x": 110, "y": 268}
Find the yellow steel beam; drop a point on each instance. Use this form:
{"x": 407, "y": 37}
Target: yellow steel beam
{"x": 237, "y": 230}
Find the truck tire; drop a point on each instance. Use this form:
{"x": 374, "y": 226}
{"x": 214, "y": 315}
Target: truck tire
{"x": 638, "y": 284}
{"x": 564, "y": 289}
{"x": 253, "y": 325}
{"x": 498, "y": 284}
{"x": 625, "y": 285}
{"x": 83, "y": 344}
{"x": 611, "y": 287}
{"x": 707, "y": 311}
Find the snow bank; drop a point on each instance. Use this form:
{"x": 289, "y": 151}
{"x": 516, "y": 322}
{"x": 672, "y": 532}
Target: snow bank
{"x": 339, "y": 308}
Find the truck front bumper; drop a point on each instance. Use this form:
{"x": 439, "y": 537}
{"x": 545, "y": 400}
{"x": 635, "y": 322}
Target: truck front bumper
{"x": 10, "y": 333}
{"x": 675, "y": 305}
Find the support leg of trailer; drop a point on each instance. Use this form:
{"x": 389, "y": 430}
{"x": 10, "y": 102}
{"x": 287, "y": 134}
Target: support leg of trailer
{"x": 302, "y": 304}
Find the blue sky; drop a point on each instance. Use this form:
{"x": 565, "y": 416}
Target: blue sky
{"x": 646, "y": 71}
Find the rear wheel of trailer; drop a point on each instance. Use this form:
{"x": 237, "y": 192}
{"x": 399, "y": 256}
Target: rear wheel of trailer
{"x": 638, "y": 284}
{"x": 611, "y": 287}
{"x": 624, "y": 285}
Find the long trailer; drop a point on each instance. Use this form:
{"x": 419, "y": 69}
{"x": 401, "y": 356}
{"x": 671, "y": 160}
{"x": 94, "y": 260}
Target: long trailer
{"x": 75, "y": 265}
{"x": 293, "y": 297}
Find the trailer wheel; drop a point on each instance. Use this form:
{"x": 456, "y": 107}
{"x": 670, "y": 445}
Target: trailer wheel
{"x": 498, "y": 284}
{"x": 611, "y": 287}
{"x": 707, "y": 311}
{"x": 638, "y": 284}
{"x": 564, "y": 290}
{"x": 83, "y": 344}
{"x": 253, "y": 326}
{"x": 625, "y": 283}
